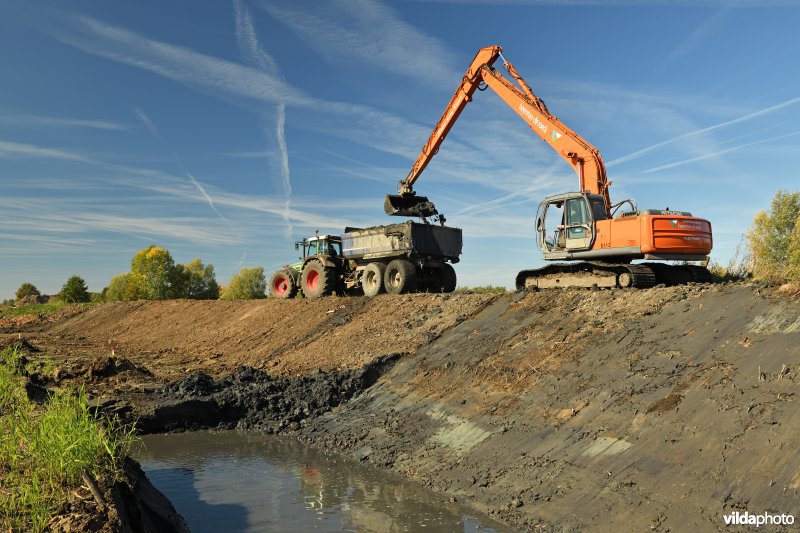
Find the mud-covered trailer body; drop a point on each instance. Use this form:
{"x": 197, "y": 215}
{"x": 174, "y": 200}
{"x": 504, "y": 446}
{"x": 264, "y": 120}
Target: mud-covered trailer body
{"x": 410, "y": 239}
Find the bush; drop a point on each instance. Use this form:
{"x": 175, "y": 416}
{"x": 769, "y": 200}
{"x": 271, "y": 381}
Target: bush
{"x": 127, "y": 287}
{"x": 75, "y": 290}
{"x": 196, "y": 281}
{"x": 27, "y": 289}
{"x": 155, "y": 270}
{"x": 739, "y": 267}
{"x": 774, "y": 240}
{"x": 247, "y": 284}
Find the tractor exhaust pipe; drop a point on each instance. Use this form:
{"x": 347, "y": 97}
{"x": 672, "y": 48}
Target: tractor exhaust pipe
{"x": 409, "y": 205}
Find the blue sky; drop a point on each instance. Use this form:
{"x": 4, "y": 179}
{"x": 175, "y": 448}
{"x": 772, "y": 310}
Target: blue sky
{"x": 226, "y": 130}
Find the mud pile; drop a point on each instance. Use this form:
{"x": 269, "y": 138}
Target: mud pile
{"x": 251, "y": 399}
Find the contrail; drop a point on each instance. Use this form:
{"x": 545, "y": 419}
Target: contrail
{"x": 720, "y": 152}
{"x": 208, "y": 198}
{"x": 149, "y": 124}
{"x": 743, "y": 118}
{"x": 255, "y": 55}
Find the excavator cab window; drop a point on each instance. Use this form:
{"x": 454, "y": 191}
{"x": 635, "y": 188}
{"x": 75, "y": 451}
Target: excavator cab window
{"x": 577, "y": 218}
{"x": 598, "y": 205}
{"x": 553, "y": 231}
{"x": 578, "y": 225}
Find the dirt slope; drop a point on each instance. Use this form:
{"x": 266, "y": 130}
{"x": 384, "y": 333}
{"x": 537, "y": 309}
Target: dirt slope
{"x": 281, "y": 336}
{"x": 661, "y": 408}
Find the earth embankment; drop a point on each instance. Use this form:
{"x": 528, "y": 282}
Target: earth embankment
{"x": 635, "y": 409}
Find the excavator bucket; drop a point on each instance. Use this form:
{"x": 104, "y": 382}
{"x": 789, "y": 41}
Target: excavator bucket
{"x": 409, "y": 205}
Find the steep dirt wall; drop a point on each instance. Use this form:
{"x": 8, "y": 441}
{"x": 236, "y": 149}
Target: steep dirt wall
{"x": 663, "y": 408}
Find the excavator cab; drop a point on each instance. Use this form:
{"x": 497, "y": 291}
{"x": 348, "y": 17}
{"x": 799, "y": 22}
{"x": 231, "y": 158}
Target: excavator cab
{"x": 566, "y": 223}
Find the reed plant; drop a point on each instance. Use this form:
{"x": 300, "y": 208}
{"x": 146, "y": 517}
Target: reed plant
{"x": 45, "y": 449}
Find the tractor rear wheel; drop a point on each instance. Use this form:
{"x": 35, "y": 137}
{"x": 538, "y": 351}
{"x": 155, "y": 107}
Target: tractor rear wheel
{"x": 316, "y": 280}
{"x": 400, "y": 277}
{"x": 372, "y": 279}
{"x": 282, "y": 285}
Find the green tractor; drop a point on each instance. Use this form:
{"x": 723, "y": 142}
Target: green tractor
{"x": 317, "y": 273}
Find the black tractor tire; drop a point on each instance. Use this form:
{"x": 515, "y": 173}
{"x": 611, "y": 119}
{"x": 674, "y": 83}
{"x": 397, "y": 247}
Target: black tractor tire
{"x": 316, "y": 280}
{"x": 400, "y": 277}
{"x": 372, "y": 279}
{"x": 282, "y": 285}
{"x": 449, "y": 279}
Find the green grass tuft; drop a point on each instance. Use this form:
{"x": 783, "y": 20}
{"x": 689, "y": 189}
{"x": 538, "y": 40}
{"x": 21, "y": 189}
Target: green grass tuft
{"x": 484, "y": 289}
{"x": 45, "y": 449}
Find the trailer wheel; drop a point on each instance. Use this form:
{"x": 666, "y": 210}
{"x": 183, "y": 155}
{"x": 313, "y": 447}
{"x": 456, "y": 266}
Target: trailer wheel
{"x": 317, "y": 280}
{"x": 449, "y": 279}
{"x": 400, "y": 277}
{"x": 282, "y": 285}
{"x": 372, "y": 279}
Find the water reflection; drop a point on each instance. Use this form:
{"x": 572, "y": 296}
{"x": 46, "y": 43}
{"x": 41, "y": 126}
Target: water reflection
{"x": 239, "y": 481}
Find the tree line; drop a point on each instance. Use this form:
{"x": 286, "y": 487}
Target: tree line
{"x": 154, "y": 275}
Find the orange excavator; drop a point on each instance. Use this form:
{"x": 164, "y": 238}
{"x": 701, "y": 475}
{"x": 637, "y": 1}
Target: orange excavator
{"x": 597, "y": 238}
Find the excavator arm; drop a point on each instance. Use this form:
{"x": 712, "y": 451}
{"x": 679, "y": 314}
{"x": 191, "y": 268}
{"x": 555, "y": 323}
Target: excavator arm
{"x": 582, "y": 156}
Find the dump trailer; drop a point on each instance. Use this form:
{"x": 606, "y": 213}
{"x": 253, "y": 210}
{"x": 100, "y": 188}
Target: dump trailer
{"x": 396, "y": 258}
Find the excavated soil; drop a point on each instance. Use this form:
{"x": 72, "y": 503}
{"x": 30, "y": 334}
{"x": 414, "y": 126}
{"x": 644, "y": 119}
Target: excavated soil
{"x": 659, "y": 409}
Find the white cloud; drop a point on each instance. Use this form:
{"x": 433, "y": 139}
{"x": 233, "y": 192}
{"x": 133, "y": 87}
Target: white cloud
{"x": 57, "y": 122}
{"x": 370, "y": 32}
{"x": 13, "y": 149}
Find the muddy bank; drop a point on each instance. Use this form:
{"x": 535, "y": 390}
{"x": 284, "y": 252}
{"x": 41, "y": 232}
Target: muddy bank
{"x": 127, "y": 505}
{"x": 251, "y": 399}
{"x": 656, "y": 409}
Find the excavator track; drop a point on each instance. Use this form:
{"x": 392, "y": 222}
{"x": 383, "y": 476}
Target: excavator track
{"x": 587, "y": 274}
{"x": 607, "y": 275}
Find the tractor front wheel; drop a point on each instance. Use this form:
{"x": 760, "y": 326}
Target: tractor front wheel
{"x": 282, "y": 285}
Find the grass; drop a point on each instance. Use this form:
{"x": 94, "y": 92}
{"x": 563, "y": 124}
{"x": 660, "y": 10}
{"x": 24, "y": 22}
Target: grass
{"x": 44, "y": 449}
{"x": 483, "y": 289}
{"x": 37, "y": 309}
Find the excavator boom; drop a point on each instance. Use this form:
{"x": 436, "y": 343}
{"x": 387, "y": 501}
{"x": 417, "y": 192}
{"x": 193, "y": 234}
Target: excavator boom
{"x": 582, "y": 156}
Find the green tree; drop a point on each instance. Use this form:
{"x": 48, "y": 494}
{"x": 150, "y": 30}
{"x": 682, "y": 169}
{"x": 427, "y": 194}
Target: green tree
{"x": 196, "y": 281}
{"x": 247, "y": 284}
{"x": 128, "y": 287}
{"x": 794, "y": 253}
{"x": 774, "y": 239}
{"x": 27, "y": 289}
{"x": 75, "y": 290}
{"x": 156, "y": 266}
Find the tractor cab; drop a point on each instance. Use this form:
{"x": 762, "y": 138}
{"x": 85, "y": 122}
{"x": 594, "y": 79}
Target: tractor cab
{"x": 328, "y": 245}
{"x": 566, "y": 223}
